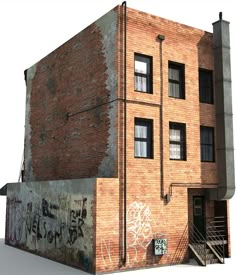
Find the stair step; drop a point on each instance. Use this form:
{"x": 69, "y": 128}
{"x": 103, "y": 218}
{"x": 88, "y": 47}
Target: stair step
{"x": 210, "y": 256}
{"x": 218, "y": 242}
{"x": 198, "y": 257}
{"x": 212, "y": 261}
{"x": 205, "y": 254}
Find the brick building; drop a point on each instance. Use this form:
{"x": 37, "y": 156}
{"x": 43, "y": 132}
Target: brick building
{"x": 128, "y": 147}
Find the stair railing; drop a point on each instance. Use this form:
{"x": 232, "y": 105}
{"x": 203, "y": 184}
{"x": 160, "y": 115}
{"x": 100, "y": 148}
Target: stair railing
{"x": 198, "y": 242}
{"x": 215, "y": 233}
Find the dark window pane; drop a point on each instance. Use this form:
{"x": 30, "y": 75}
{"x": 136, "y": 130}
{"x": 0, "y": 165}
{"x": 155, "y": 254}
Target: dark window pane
{"x": 143, "y": 146}
{"x": 176, "y": 80}
{"x": 207, "y": 143}
{"x": 205, "y": 86}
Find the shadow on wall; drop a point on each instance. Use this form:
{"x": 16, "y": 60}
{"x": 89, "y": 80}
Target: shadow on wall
{"x": 207, "y": 109}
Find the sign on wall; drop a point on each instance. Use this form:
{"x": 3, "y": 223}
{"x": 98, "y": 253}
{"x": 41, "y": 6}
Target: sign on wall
{"x": 160, "y": 247}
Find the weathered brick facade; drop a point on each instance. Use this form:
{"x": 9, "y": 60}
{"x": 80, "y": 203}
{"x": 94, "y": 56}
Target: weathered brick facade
{"x": 80, "y": 124}
{"x": 74, "y": 79}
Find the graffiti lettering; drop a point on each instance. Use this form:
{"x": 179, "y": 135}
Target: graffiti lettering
{"x": 45, "y": 209}
{"x": 40, "y": 223}
{"x": 14, "y": 217}
{"x": 53, "y": 223}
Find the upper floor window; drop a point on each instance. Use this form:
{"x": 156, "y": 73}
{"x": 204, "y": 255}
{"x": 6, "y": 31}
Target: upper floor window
{"x": 143, "y": 147}
{"x": 143, "y": 73}
{"x": 205, "y": 86}
{"x": 177, "y": 132}
{"x": 207, "y": 144}
{"x": 176, "y": 80}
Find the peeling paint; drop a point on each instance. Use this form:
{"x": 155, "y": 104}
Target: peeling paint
{"x": 28, "y": 154}
{"x": 108, "y": 26}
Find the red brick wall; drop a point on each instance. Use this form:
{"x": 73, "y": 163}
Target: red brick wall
{"x": 193, "y": 48}
{"x": 75, "y": 78}
{"x": 107, "y": 225}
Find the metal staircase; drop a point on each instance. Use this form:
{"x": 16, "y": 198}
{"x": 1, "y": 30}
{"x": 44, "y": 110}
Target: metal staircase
{"x": 216, "y": 236}
{"x": 208, "y": 250}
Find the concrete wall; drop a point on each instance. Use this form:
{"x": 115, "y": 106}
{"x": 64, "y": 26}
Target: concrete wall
{"x": 71, "y": 107}
{"x": 54, "y": 219}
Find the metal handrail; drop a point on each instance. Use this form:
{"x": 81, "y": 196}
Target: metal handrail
{"x": 214, "y": 239}
{"x": 198, "y": 241}
{"x": 214, "y": 235}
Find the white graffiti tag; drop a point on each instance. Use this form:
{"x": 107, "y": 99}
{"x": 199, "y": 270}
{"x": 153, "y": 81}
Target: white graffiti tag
{"x": 138, "y": 225}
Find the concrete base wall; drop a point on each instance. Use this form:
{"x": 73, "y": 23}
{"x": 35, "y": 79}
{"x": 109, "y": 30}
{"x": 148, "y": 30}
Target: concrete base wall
{"x": 53, "y": 219}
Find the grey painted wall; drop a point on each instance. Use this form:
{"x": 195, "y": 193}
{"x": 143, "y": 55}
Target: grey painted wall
{"x": 53, "y": 219}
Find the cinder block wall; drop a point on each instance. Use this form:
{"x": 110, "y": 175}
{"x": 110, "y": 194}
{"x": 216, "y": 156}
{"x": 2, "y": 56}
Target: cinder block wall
{"x": 70, "y": 130}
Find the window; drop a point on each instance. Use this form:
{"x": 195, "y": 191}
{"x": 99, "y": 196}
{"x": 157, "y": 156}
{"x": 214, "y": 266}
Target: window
{"x": 207, "y": 144}
{"x": 205, "y": 86}
{"x": 143, "y": 73}
{"x": 143, "y": 147}
{"x": 177, "y": 132}
{"x": 176, "y": 80}
{"x": 197, "y": 206}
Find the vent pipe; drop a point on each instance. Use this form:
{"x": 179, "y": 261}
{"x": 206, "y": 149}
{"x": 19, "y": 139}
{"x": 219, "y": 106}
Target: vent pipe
{"x": 224, "y": 116}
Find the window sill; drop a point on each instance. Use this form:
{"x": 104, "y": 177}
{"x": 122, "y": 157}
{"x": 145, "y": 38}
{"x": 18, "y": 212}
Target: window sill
{"x": 149, "y": 93}
{"x": 206, "y": 103}
{"x": 143, "y": 157}
{"x": 179, "y": 159}
{"x": 177, "y": 97}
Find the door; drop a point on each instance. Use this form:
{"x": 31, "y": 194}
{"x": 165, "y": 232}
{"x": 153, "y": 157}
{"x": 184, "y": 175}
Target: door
{"x": 199, "y": 214}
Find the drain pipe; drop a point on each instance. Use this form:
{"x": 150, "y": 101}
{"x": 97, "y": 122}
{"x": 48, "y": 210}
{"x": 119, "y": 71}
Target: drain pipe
{"x": 124, "y": 256}
{"x": 160, "y": 38}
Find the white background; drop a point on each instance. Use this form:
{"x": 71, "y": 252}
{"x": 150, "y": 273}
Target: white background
{"x": 30, "y": 30}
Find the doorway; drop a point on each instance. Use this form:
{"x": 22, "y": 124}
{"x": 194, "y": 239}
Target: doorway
{"x": 199, "y": 214}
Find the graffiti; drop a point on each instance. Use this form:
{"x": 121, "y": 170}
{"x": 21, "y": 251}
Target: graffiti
{"x": 75, "y": 229}
{"x": 52, "y": 221}
{"x": 139, "y": 224}
{"x": 106, "y": 251}
{"x": 45, "y": 209}
{"x": 77, "y": 221}
{"x": 14, "y": 216}
{"x": 28, "y": 221}
{"x": 139, "y": 229}
{"x": 42, "y": 221}
{"x": 139, "y": 235}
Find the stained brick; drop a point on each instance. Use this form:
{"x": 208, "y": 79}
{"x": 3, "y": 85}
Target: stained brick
{"x": 73, "y": 79}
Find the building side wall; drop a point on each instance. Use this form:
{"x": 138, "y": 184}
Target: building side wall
{"x": 71, "y": 107}
{"x": 108, "y": 225}
{"x": 53, "y": 219}
{"x": 148, "y": 215}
